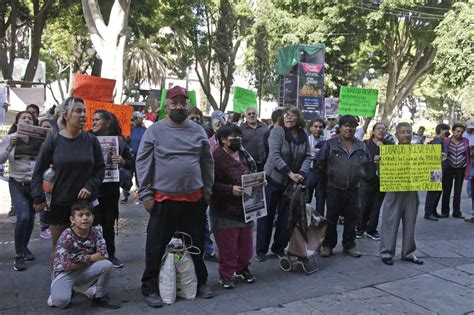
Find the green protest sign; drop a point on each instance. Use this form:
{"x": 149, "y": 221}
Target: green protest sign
{"x": 358, "y": 101}
{"x": 244, "y": 99}
{"x": 192, "y": 98}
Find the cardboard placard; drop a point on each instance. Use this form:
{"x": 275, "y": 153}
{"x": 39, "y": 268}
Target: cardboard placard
{"x": 122, "y": 112}
{"x": 94, "y": 88}
{"x": 410, "y": 167}
{"x": 357, "y": 101}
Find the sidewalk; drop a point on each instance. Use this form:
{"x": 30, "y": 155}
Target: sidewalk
{"x": 343, "y": 285}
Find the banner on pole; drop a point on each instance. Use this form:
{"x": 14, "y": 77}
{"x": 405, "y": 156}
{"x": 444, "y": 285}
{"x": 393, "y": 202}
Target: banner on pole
{"x": 410, "y": 167}
{"x": 357, "y": 101}
{"x": 243, "y": 99}
{"x": 122, "y": 112}
{"x": 311, "y": 90}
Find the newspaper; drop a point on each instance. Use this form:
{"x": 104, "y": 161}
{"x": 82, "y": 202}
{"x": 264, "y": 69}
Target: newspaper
{"x": 110, "y": 147}
{"x": 30, "y": 139}
{"x": 253, "y": 198}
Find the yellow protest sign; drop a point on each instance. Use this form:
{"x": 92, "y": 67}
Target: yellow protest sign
{"x": 410, "y": 167}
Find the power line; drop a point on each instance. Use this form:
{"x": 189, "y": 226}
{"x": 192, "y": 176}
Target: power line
{"x": 399, "y": 14}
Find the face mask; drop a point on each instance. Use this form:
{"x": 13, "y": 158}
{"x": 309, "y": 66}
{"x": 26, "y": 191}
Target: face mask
{"x": 178, "y": 115}
{"x": 235, "y": 144}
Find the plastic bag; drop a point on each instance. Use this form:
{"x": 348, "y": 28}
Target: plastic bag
{"x": 167, "y": 280}
{"x": 186, "y": 279}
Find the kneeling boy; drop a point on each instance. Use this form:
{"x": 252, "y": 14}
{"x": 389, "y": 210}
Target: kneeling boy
{"x": 81, "y": 261}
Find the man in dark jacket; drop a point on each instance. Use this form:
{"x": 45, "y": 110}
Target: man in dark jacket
{"x": 343, "y": 158}
{"x": 432, "y": 197}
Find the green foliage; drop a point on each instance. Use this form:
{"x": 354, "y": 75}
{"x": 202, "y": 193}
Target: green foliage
{"x": 454, "y": 42}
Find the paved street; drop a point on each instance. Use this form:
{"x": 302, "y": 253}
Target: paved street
{"x": 444, "y": 284}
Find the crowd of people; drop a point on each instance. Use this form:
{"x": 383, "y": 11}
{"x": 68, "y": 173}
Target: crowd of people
{"x": 189, "y": 179}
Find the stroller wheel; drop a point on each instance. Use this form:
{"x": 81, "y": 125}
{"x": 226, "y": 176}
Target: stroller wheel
{"x": 286, "y": 264}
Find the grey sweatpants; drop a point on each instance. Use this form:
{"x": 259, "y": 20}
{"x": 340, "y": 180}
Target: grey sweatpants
{"x": 399, "y": 206}
{"x": 98, "y": 272}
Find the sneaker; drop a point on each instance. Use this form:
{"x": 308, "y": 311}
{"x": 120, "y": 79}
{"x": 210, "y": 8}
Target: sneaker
{"x": 470, "y": 220}
{"x": 154, "y": 300}
{"x": 261, "y": 257}
{"x": 227, "y": 283}
{"x": 360, "y": 233}
{"x": 211, "y": 257}
{"x": 124, "y": 200}
{"x": 46, "y": 234}
{"x": 28, "y": 255}
{"x": 116, "y": 263}
{"x": 326, "y": 252}
{"x": 340, "y": 221}
{"x": 245, "y": 276}
{"x": 19, "y": 264}
{"x": 105, "y": 302}
{"x": 458, "y": 215}
{"x": 205, "y": 292}
{"x": 50, "y": 301}
{"x": 353, "y": 252}
{"x": 373, "y": 235}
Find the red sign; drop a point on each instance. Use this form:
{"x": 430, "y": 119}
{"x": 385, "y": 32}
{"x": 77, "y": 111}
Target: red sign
{"x": 94, "y": 88}
{"x": 122, "y": 112}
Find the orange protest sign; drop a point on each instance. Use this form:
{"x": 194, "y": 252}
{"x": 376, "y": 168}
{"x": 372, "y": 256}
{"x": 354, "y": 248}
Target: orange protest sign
{"x": 122, "y": 112}
{"x": 94, "y": 88}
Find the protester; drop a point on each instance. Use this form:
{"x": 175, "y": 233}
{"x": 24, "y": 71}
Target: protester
{"x": 253, "y": 132}
{"x": 34, "y": 110}
{"x": 19, "y": 184}
{"x": 419, "y": 137}
{"x": 77, "y": 158}
{"x": 217, "y": 120}
{"x": 276, "y": 114}
{"x": 288, "y": 162}
{"x": 210, "y": 254}
{"x": 343, "y": 159}
{"x": 105, "y": 123}
{"x": 432, "y": 197}
{"x": 458, "y": 168}
{"x": 174, "y": 188}
{"x": 331, "y": 126}
{"x": 45, "y": 232}
{"x": 80, "y": 262}
{"x": 233, "y": 236}
{"x": 136, "y": 134}
{"x": 399, "y": 206}
{"x": 371, "y": 196}
{"x": 469, "y": 135}
{"x": 316, "y": 181}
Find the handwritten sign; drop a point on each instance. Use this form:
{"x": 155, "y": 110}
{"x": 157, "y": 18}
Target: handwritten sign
{"x": 244, "y": 99}
{"x": 357, "y": 101}
{"x": 410, "y": 167}
{"x": 122, "y": 112}
{"x": 94, "y": 88}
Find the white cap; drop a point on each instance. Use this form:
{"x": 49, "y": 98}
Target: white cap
{"x": 470, "y": 124}
{"x": 332, "y": 116}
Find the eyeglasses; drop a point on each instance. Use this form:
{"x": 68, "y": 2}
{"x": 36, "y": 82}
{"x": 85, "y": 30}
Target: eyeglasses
{"x": 289, "y": 115}
{"x": 251, "y": 114}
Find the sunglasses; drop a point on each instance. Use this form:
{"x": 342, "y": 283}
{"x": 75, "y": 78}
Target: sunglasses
{"x": 251, "y": 114}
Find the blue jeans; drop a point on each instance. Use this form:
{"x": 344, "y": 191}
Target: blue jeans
{"x": 25, "y": 215}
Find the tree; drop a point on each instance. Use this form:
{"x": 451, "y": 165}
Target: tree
{"x": 213, "y": 31}
{"x": 109, "y": 39}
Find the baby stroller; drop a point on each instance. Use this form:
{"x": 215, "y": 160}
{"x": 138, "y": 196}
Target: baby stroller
{"x": 306, "y": 232}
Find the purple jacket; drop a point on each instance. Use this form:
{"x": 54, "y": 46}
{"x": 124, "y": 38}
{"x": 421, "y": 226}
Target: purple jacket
{"x": 465, "y": 141}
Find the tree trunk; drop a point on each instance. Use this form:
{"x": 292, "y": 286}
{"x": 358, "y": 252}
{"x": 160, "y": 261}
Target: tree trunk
{"x": 109, "y": 40}
{"x": 39, "y": 22}
{"x": 8, "y": 51}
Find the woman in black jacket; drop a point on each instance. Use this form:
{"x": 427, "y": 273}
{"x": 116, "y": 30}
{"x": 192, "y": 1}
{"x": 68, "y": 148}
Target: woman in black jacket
{"x": 105, "y": 124}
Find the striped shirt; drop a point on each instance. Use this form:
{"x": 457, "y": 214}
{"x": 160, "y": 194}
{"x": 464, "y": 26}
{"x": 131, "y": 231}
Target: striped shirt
{"x": 457, "y": 155}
